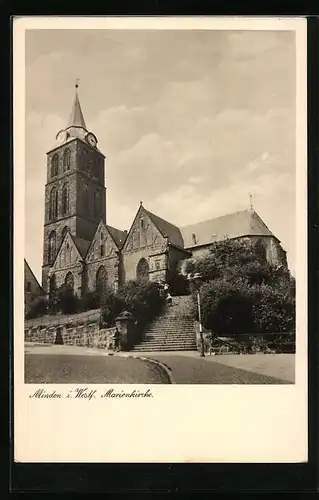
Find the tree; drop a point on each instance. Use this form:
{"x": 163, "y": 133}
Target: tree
{"x": 242, "y": 292}
{"x": 111, "y": 305}
{"x": 143, "y": 300}
{"x": 37, "y": 308}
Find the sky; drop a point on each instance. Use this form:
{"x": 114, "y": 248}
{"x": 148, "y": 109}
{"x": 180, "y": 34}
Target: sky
{"x": 190, "y": 122}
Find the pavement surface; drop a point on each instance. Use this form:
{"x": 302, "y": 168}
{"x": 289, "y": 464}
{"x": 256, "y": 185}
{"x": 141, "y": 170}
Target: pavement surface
{"x": 71, "y": 364}
{"x": 70, "y": 368}
{"x": 261, "y": 368}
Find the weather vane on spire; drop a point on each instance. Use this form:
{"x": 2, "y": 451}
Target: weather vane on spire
{"x": 251, "y": 201}
{"x": 77, "y": 81}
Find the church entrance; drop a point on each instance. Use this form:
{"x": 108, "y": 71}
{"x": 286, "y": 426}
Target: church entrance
{"x": 142, "y": 271}
{"x": 101, "y": 281}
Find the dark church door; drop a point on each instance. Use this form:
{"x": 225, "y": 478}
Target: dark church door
{"x": 142, "y": 271}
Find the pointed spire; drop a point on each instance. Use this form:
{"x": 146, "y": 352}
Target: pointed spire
{"x": 76, "y": 117}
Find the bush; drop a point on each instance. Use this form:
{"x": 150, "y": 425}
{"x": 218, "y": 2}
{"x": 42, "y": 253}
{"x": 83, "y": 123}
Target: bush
{"x": 143, "y": 300}
{"x": 68, "y": 302}
{"x": 90, "y": 300}
{"x": 38, "y": 307}
{"x": 242, "y": 292}
{"x": 178, "y": 283}
{"x": 227, "y": 307}
{"x": 111, "y": 306}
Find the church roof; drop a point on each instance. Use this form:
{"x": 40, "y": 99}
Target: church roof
{"x": 117, "y": 235}
{"x": 235, "y": 225}
{"x": 167, "y": 229}
{"x": 81, "y": 244}
{"x": 76, "y": 118}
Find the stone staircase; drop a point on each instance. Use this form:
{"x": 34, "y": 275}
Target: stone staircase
{"x": 174, "y": 330}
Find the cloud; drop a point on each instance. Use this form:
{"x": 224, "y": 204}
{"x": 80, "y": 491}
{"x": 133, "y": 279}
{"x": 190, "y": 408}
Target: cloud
{"x": 190, "y": 122}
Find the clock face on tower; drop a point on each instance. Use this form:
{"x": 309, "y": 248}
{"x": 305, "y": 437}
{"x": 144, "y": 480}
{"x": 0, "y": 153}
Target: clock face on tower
{"x": 91, "y": 139}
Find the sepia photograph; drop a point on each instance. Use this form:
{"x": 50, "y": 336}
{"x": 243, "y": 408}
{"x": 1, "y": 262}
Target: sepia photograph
{"x": 160, "y": 239}
{"x": 160, "y": 207}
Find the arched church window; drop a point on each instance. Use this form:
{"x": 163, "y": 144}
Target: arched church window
{"x": 136, "y": 239}
{"x": 53, "y": 208}
{"x": 66, "y": 159}
{"x": 142, "y": 271}
{"x": 54, "y": 165}
{"x": 101, "y": 281}
{"x": 52, "y": 286}
{"x": 64, "y": 231}
{"x": 52, "y": 247}
{"x": 69, "y": 281}
{"x": 65, "y": 199}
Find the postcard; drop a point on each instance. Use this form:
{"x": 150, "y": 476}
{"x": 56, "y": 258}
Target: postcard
{"x": 160, "y": 241}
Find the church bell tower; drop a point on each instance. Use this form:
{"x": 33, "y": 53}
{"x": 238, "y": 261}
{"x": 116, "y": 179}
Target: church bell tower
{"x": 75, "y": 193}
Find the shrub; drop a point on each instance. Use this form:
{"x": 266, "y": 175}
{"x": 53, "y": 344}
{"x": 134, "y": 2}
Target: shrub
{"x": 90, "y": 300}
{"x": 143, "y": 300}
{"x": 38, "y": 307}
{"x": 67, "y": 301}
{"x": 111, "y": 305}
{"x": 242, "y": 292}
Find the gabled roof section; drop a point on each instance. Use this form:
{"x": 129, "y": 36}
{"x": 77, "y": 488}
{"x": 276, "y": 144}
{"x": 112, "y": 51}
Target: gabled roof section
{"x": 167, "y": 229}
{"x": 33, "y": 275}
{"x": 236, "y": 225}
{"x": 76, "y": 118}
{"x": 81, "y": 244}
{"x": 117, "y": 235}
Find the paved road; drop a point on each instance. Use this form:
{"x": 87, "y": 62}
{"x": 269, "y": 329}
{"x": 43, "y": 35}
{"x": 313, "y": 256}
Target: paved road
{"x": 191, "y": 370}
{"x": 90, "y": 369}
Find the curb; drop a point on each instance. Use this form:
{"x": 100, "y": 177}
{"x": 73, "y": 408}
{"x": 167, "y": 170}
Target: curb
{"x": 167, "y": 370}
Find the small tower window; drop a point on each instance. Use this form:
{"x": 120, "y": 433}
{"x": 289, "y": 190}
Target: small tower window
{"x": 55, "y": 166}
{"x": 65, "y": 199}
{"x": 194, "y": 238}
{"x": 142, "y": 223}
{"x": 66, "y": 159}
{"x": 53, "y": 208}
{"x": 102, "y": 250}
{"x": 28, "y": 286}
{"x": 52, "y": 247}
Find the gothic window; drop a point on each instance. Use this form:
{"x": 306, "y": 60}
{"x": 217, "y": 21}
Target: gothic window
{"x": 52, "y": 285}
{"x": 64, "y": 231}
{"x": 66, "y": 159}
{"x": 69, "y": 281}
{"x": 53, "y": 209}
{"x": 142, "y": 271}
{"x": 136, "y": 239}
{"x": 65, "y": 199}
{"x": 102, "y": 250}
{"x": 101, "y": 280}
{"x": 52, "y": 246}
{"x": 157, "y": 265}
{"x": 54, "y": 165}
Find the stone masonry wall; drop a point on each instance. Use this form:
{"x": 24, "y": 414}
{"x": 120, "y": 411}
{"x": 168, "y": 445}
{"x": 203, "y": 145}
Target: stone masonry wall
{"x": 85, "y": 335}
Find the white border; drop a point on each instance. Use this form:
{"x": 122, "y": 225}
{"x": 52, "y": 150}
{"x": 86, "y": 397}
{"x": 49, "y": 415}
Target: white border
{"x": 182, "y": 423}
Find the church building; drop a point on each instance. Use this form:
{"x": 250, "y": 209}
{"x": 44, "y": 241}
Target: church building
{"x": 82, "y": 250}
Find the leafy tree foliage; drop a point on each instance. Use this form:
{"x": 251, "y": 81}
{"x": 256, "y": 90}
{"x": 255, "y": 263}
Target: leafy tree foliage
{"x": 241, "y": 292}
{"x": 143, "y": 300}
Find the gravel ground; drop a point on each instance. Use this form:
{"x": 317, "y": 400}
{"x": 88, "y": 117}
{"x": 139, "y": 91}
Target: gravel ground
{"x": 90, "y": 369}
{"x": 187, "y": 370}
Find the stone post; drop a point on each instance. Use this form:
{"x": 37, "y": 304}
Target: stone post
{"x": 125, "y": 325}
